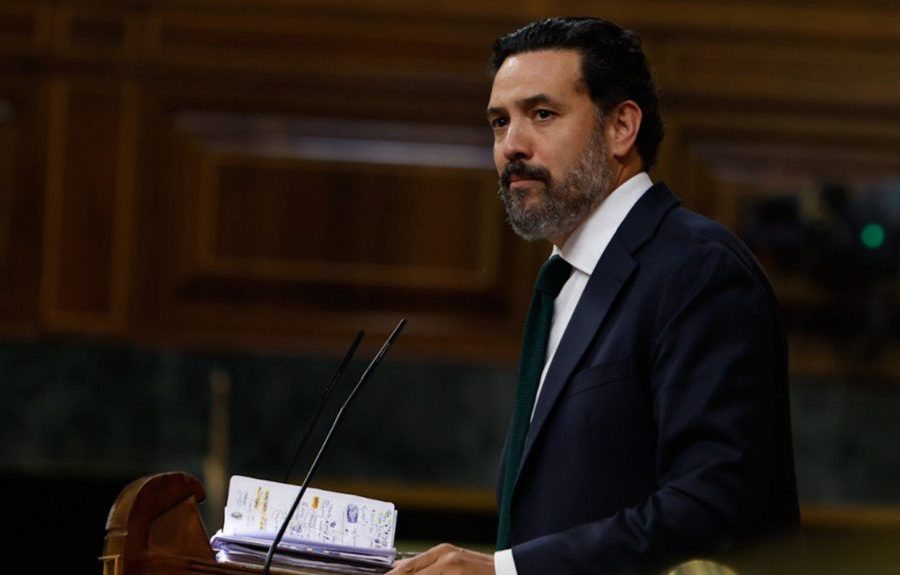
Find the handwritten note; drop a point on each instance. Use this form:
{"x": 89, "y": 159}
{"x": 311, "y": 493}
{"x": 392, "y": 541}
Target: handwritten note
{"x": 256, "y": 506}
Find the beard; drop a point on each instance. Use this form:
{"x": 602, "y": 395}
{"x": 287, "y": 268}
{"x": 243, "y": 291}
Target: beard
{"x": 564, "y": 203}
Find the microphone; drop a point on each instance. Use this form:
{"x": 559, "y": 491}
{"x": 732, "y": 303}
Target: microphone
{"x": 326, "y": 394}
{"x": 337, "y": 420}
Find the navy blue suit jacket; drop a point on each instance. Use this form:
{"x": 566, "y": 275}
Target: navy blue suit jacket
{"x": 662, "y": 430}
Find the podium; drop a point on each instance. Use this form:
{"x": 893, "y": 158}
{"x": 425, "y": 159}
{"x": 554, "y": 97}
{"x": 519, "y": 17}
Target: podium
{"x": 154, "y": 528}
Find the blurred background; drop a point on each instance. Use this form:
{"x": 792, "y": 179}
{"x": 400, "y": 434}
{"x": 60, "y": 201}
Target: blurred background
{"x": 202, "y": 201}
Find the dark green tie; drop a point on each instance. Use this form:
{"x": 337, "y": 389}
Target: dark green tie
{"x": 553, "y": 275}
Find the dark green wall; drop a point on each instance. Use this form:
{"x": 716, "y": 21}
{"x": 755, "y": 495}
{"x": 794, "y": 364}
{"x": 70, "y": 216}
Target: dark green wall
{"x": 79, "y": 421}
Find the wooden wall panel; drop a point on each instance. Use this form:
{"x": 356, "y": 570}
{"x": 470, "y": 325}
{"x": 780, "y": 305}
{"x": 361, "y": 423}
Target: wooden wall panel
{"x": 329, "y": 41}
{"x": 275, "y": 219}
{"x": 20, "y": 207}
{"x": 25, "y": 28}
{"x": 248, "y": 135}
{"x": 88, "y": 214}
{"x": 351, "y": 224}
{"x": 7, "y": 194}
{"x": 93, "y": 34}
{"x": 814, "y": 72}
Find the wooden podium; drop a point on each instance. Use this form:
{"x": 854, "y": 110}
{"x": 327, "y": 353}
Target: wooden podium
{"x": 154, "y": 528}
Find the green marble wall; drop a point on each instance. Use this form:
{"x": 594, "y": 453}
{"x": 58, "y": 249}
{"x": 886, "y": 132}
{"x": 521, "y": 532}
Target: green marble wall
{"x": 79, "y": 421}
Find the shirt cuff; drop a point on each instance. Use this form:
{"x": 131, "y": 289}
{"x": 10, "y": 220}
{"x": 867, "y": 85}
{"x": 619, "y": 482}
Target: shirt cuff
{"x": 504, "y": 564}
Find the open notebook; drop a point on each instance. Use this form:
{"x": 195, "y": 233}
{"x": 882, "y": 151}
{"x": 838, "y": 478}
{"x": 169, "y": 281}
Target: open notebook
{"x": 329, "y": 531}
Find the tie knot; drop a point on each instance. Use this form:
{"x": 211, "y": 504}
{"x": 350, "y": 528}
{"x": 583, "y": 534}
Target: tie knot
{"x": 553, "y": 275}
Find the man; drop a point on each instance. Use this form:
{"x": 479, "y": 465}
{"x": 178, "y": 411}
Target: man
{"x": 659, "y": 428}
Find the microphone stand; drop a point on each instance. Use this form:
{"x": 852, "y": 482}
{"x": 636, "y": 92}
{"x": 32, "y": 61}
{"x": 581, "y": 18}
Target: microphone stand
{"x": 326, "y": 394}
{"x": 315, "y": 464}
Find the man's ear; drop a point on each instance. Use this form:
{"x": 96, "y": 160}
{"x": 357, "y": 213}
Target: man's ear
{"x": 622, "y": 125}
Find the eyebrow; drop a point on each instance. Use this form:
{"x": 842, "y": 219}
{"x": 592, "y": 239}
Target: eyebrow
{"x": 528, "y": 102}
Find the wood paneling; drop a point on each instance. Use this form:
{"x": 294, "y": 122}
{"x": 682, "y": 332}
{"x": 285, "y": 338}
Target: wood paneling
{"x": 277, "y": 174}
{"x": 335, "y": 223}
{"x": 20, "y": 205}
{"x": 24, "y": 28}
{"x": 7, "y": 185}
{"x": 96, "y": 34}
{"x": 815, "y": 72}
{"x": 352, "y": 224}
{"x": 88, "y": 206}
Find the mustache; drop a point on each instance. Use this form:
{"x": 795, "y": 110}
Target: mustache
{"x": 521, "y": 169}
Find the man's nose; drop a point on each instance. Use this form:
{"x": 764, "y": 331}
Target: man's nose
{"x": 517, "y": 143}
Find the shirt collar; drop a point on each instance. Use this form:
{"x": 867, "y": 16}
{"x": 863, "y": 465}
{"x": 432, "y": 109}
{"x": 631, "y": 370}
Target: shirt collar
{"x": 587, "y": 243}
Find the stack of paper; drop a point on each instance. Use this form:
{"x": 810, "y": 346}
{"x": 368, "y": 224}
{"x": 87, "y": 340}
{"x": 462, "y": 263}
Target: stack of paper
{"x": 329, "y": 531}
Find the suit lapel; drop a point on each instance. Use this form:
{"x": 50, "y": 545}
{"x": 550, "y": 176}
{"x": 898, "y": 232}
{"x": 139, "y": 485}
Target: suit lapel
{"x": 612, "y": 271}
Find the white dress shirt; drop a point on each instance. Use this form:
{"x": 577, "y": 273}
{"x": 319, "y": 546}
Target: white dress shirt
{"x": 583, "y": 250}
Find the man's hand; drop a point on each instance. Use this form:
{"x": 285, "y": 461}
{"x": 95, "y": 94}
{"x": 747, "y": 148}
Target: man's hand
{"x": 445, "y": 559}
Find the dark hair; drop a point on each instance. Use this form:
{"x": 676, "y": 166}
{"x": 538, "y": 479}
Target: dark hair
{"x": 612, "y": 63}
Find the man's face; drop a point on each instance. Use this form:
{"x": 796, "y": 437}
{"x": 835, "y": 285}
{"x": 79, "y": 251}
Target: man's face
{"x": 548, "y": 144}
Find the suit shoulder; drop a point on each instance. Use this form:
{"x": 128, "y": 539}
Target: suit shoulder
{"x": 685, "y": 235}
{"x": 687, "y": 226}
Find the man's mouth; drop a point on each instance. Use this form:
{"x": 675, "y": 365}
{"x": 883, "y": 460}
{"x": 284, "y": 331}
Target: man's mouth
{"x": 519, "y": 178}
{"x": 520, "y": 182}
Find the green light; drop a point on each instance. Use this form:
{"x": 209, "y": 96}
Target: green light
{"x": 872, "y": 236}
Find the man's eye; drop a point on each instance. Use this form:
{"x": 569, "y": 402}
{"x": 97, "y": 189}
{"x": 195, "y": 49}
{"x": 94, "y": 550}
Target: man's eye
{"x": 543, "y": 114}
{"x": 498, "y": 123}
